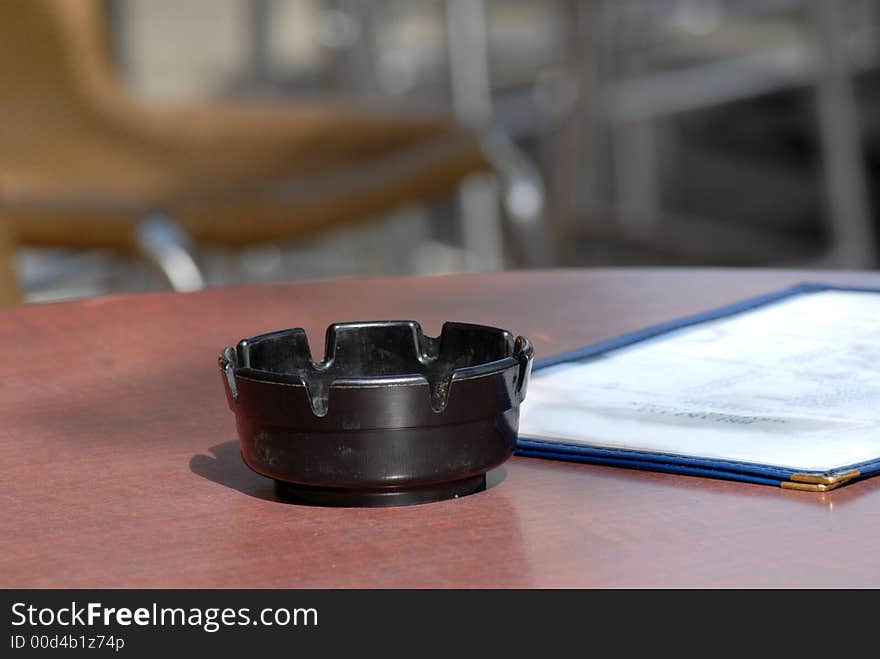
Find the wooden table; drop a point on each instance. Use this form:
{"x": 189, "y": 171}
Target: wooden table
{"x": 121, "y": 468}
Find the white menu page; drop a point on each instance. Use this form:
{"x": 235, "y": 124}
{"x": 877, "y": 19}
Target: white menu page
{"x": 794, "y": 383}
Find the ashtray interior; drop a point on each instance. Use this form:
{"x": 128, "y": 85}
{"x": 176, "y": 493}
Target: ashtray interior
{"x": 371, "y": 352}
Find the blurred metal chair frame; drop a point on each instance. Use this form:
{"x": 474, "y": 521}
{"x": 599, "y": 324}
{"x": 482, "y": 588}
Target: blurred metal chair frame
{"x": 85, "y": 165}
{"x": 625, "y": 119}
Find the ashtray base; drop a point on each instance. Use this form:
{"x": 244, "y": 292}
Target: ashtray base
{"x": 381, "y": 497}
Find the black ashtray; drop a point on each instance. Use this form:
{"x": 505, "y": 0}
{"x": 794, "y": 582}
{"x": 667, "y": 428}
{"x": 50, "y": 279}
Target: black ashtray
{"x": 389, "y": 417}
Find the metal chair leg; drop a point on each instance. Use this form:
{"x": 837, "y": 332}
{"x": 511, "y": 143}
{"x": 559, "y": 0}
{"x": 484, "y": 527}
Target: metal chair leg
{"x": 522, "y": 195}
{"x": 166, "y": 246}
{"x": 851, "y": 223}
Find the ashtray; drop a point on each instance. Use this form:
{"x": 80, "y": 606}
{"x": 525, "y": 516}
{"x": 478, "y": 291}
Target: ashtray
{"x": 389, "y": 417}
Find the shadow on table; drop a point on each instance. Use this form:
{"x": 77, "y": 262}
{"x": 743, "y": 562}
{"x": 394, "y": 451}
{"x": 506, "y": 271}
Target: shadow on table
{"x": 225, "y": 467}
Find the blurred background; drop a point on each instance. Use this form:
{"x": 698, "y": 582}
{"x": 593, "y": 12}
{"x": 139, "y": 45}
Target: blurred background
{"x": 150, "y": 144}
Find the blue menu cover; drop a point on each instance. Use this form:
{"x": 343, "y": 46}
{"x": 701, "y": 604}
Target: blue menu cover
{"x": 782, "y": 389}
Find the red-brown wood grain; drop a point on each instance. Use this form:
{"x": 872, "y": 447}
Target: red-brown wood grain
{"x": 120, "y": 465}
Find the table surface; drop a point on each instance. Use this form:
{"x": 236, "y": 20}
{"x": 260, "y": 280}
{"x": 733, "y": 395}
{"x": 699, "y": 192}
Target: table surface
{"x": 121, "y": 466}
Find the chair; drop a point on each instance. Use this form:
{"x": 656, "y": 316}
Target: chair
{"x": 84, "y": 165}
